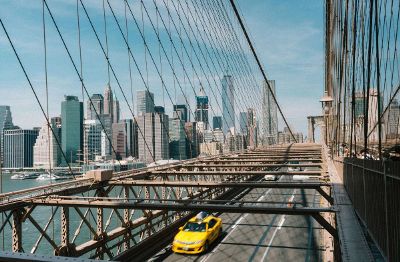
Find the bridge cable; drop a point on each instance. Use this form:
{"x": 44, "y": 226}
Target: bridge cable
{"x": 33, "y": 91}
{"x": 260, "y": 67}
{"x": 116, "y": 78}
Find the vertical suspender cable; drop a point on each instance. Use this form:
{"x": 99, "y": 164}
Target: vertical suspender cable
{"x": 378, "y": 78}
{"x": 260, "y": 67}
{"x": 366, "y": 120}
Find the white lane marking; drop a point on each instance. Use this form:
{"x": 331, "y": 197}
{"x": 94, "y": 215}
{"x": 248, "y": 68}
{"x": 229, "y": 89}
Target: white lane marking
{"x": 235, "y": 225}
{"x": 238, "y": 221}
{"x": 281, "y": 222}
{"x": 269, "y": 244}
{"x": 276, "y": 230}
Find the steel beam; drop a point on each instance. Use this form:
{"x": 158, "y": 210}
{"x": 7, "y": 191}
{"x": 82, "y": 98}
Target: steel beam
{"x": 120, "y": 204}
{"x": 241, "y": 163}
{"x": 266, "y": 160}
{"x": 228, "y": 165}
{"x": 235, "y": 173}
{"x": 305, "y": 185}
{"x": 17, "y": 231}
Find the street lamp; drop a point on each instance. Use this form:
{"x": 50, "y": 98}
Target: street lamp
{"x": 326, "y": 102}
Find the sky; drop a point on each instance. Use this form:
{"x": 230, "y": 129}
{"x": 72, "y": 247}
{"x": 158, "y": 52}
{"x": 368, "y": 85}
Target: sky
{"x": 288, "y": 36}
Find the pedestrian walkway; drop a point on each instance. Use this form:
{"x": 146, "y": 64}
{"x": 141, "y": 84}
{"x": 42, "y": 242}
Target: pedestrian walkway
{"x": 353, "y": 244}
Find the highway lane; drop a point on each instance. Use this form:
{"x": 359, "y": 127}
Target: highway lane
{"x": 257, "y": 237}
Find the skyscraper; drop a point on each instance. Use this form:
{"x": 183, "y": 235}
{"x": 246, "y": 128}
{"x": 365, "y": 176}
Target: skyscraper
{"x": 201, "y": 113}
{"x": 5, "y": 123}
{"x": 109, "y": 102}
{"x": 252, "y": 128}
{"x": 393, "y": 120}
{"x": 106, "y": 135}
{"x": 269, "y": 115}
{"x": 119, "y": 140}
{"x": 177, "y": 137}
{"x": 228, "y": 103}
{"x": 18, "y": 147}
{"x": 192, "y": 141}
{"x": 159, "y": 109}
{"x": 116, "y": 111}
{"x": 72, "y": 128}
{"x": 46, "y": 151}
{"x": 181, "y": 112}
{"x": 154, "y": 141}
{"x": 92, "y": 141}
{"x": 145, "y": 102}
{"x": 373, "y": 115}
{"x": 217, "y": 122}
{"x": 97, "y": 105}
{"x": 243, "y": 122}
{"x": 131, "y": 132}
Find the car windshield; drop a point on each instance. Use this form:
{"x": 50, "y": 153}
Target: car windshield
{"x": 195, "y": 227}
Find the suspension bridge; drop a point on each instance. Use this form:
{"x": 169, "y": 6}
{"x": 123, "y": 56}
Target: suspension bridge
{"x": 200, "y": 134}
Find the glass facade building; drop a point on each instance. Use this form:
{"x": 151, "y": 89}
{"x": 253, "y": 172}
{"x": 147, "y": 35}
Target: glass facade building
{"x": 228, "y": 103}
{"x": 72, "y": 128}
{"x": 18, "y": 147}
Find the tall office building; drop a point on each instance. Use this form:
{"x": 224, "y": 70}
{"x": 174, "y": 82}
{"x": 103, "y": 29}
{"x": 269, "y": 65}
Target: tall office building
{"x": 218, "y": 136}
{"x": 177, "y": 139}
{"x": 181, "y": 112}
{"x": 116, "y": 111}
{"x": 131, "y": 132}
{"x": 393, "y": 124}
{"x": 145, "y": 102}
{"x": 252, "y": 128}
{"x": 46, "y": 151}
{"x": 72, "y": 128}
{"x": 92, "y": 142}
{"x": 269, "y": 122}
{"x": 228, "y": 103}
{"x": 154, "y": 142}
{"x": 5, "y": 123}
{"x": 373, "y": 115}
{"x": 359, "y": 105}
{"x": 97, "y": 105}
{"x": 217, "y": 122}
{"x": 18, "y": 147}
{"x": 201, "y": 112}
{"x": 192, "y": 140}
{"x": 208, "y": 136}
{"x": 243, "y": 123}
{"x": 106, "y": 135}
{"x": 109, "y": 102}
{"x": 119, "y": 140}
{"x": 159, "y": 109}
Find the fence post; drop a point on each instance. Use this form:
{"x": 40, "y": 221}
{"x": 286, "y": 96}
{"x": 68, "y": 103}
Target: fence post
{"x": 365, "y": 201}
{"x": 386, "y": 210}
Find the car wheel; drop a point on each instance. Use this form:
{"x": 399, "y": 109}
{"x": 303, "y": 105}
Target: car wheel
{"x": 220, "y": 232}
{"x": 206, "y": 247}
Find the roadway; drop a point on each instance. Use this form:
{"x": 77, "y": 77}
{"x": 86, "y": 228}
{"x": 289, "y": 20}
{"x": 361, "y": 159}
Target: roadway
{"x": 258, "y": 237}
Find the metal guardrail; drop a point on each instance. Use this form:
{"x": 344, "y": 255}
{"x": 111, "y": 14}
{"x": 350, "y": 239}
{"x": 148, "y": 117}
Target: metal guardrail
{"x": 374, "y": 189}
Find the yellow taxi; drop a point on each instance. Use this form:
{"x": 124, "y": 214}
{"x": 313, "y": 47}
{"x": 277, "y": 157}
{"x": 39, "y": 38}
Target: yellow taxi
{"x": 197, "y": 234}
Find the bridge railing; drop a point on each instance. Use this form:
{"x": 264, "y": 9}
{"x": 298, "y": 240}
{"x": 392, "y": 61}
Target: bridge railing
{"x": 374, "y": 188}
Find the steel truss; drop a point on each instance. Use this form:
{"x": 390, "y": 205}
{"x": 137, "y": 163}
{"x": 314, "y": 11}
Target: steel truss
{"x": 111, "y": 218}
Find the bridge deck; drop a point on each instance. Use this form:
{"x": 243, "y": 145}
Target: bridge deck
{"x": 354, "y": 246}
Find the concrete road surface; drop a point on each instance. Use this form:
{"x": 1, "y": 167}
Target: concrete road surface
{"x": 256, "y": 237}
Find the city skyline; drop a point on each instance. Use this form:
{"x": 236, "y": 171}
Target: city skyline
{"x": 93, "y": 67}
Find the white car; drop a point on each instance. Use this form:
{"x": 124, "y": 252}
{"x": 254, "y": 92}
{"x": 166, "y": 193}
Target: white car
{"x": 301, "y": 177}
{"x": 270, "y": 177}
